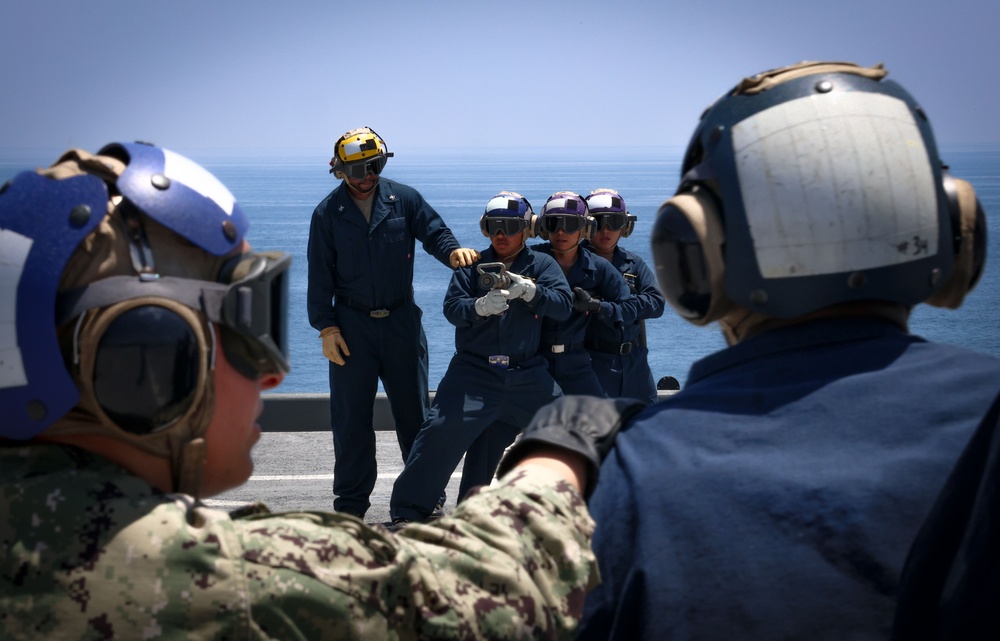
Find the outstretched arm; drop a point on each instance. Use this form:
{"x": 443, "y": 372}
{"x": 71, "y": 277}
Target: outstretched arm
{"x": 511, "y": 561}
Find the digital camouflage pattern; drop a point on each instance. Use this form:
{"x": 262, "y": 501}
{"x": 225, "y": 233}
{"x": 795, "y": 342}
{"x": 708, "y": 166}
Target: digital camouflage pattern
{"x": 89, "y": 551}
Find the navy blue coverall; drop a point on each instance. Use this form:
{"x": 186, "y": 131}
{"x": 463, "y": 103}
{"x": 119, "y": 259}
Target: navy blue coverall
{"x": 563, "y": 340}
{"x": 495, "y": 383}
{"x": 777, "y": 494}
{"x": 358, "y": 272}
{"x": 619, "y": 355}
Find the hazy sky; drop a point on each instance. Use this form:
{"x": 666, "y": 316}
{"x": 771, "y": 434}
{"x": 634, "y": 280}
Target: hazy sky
{"x": 198, "y": 74}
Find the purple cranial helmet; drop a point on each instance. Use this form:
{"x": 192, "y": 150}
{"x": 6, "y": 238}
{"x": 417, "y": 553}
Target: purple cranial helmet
{"x": 610, "y": 212}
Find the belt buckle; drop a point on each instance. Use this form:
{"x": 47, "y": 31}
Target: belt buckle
{"x": 624, "y": 348}
{"x": 558, "y": 349}
{"x": 499, "y": 360}
{"x": 379, "y": 313}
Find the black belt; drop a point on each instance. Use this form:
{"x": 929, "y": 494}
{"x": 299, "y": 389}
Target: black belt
{"x": 380, "y": 312}
{"x": 501, "y": 361}
{"x": 610, "y": 347}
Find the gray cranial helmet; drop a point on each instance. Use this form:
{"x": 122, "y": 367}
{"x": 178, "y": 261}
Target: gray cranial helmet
{"x": 810, "y": 186}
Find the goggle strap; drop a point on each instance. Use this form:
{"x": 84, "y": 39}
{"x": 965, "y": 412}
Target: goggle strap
{"x": 211, "y": 351}
{"x": 245, "y": 305}
{"x": 198, "y": 295}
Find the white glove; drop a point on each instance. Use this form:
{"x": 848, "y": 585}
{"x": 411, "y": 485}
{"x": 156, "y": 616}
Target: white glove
{"x": 494, "y": 302}
{"x": 520, "y": 287}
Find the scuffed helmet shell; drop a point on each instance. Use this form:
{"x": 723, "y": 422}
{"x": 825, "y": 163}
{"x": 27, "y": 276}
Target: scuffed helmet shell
{"x": 42, "y": 221}
{"x": 565, "y": 203}
{"x": 508, "y": 203}
{"x": 606, "y": 201}
{"x": 180, "y": 195}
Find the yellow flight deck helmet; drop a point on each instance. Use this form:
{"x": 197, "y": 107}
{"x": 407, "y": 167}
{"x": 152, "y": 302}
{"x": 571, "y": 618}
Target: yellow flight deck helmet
{"x": 358, "y": 152}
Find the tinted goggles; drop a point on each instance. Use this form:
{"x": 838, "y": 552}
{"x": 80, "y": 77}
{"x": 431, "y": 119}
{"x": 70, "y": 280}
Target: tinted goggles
{"x": 250, "y": 306}
{"x": 254, "y": 312}
{"x": 358, "y": 170}
{"x": 509, "y": 225}
{"x": 567, "y": 223}
{"x": 614, "y": 222}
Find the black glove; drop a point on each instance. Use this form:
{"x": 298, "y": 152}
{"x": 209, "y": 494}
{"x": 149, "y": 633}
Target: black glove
{"x": 586, "y": 425}
{"x": 583, "y": 302}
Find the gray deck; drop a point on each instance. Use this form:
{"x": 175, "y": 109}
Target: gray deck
{"x": 293, "y": 462}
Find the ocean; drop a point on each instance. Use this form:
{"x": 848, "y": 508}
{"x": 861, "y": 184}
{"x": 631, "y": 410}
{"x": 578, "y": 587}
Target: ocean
{"x": 279, "y": 189}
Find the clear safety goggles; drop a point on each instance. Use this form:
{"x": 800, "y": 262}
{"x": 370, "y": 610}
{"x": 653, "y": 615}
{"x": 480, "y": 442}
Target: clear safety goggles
{"x": 570, "y": 224}
{"x": 612, "y": 221}
{"x": 508, "y": 225}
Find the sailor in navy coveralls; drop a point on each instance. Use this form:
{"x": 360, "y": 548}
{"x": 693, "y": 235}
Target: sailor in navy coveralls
{"x": 601, "y": 294}
{"x": 777, "y": 494}
{"x": 619, "y": 355}
{"x": 496, "y": 380}
{"x": 360, "y": 297}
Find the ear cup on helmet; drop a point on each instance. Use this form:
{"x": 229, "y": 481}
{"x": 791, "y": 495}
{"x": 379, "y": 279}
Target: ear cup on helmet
{"x": 629, "y": 226}
{"x": 687, "y": 241}
{"x": 532, "y": 229}
{"x": 146, "y": 369}
{"x": 144, "y": 364}
{"x": 969, "y": 223}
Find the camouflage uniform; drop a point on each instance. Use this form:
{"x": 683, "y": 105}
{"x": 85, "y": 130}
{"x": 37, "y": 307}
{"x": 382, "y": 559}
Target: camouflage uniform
{"x": 90, "y": 551}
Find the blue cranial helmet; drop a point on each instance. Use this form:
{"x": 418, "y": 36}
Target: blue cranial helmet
{"x": 180, "y": 195}
{"x": 42, "y": 221}
{"x": 508, "y": 212}
{"x": 44, "y": 218}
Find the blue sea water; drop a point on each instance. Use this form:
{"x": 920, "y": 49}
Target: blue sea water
{"x": 279, "y": 190}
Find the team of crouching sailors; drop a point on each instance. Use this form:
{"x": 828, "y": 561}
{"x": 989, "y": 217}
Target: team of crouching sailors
{"x": 533, "y": 322}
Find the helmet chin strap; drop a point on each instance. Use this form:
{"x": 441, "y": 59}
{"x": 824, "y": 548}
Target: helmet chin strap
{"x": 188, "y": 462}
{"x": 604, "y": 254}
{"x": 182, "y": 441}
{"x": 507, "y": 260}
{"x": 566, "y": 251}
